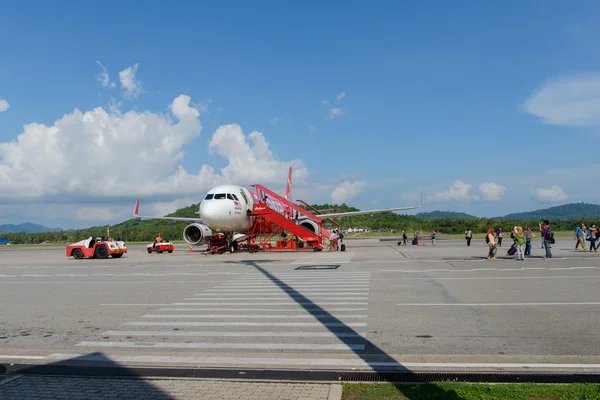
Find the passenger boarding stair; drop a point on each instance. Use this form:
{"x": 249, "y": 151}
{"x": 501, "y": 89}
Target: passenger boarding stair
{"x": 265, "y": 217}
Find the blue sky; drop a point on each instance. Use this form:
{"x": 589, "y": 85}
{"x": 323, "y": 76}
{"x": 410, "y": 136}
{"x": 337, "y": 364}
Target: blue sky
{"x": 439, "y": 96}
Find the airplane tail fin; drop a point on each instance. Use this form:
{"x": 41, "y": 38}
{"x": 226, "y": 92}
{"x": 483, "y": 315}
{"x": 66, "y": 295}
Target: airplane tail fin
{"x": 136, "y": 210}
{"x": 288, "y": 189}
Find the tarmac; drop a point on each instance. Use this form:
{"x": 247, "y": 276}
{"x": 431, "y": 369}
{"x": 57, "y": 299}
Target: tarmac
{"x": 375, "y": 307}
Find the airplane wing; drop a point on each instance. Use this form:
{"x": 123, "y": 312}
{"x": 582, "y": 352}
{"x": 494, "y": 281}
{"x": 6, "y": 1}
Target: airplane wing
{"x": 351, "y": 213}
{"x": 137, "y": 209}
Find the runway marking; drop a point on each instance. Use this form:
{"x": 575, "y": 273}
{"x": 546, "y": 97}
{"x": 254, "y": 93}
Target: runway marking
{"x": 10, "y": 357}
{"x": 506, "y": 277}
{"x": 293, "y": 293}
{"x": 261, "y": 309}
{"x": 281, "y": 324}
{"x": 300, "y": 285}
{"x": 237, "y": 334}
{"x": 251, "y": 346}
{"x": 501, "y": 304}
{"x": 130, "y": 304}
{"x": 349, "y": 362}
{"x": 273, "y": 297}
{"x": 97, "y": 282}
{"x": 272, "y": 303}
{"x": 277, "y": 290}
{"x": 257, "y": 316}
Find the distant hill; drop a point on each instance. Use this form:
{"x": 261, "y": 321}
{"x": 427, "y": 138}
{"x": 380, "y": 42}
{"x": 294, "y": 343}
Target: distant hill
{"x": 27, "y": 227}
{"x": 573, "y": 211}
{"x": 433, "y": 215}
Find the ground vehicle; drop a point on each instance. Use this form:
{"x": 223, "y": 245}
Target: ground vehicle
{"x": 96, "y": 248}
{"x": 160, "y": 247}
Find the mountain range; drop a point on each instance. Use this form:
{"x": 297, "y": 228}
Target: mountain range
{"x": 573, "y": 211}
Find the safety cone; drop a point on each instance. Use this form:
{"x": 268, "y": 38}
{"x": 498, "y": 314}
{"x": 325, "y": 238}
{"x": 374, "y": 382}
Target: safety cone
{"x": 190, "y": 248}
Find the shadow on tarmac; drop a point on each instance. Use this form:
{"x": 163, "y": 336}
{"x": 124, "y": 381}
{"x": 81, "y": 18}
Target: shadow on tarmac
{"x": 377, "y": 359}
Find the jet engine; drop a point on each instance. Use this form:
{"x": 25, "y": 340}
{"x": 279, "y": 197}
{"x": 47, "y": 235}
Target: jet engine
{"x": 196, "y": 234}
{"x": 309, "y": 224}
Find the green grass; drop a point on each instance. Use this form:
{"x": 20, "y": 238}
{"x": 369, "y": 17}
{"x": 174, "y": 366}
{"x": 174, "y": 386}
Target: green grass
{"x": 465, "y": 391}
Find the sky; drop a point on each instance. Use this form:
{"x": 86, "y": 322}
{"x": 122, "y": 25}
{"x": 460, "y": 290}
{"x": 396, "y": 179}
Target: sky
{"x": 484, "y": 107}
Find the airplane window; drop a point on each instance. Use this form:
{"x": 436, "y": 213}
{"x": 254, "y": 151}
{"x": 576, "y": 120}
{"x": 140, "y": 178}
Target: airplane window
{"x": 220, "y": 196}
{"x": 209, "y": 196}
{"x": 229, "y": 196}
{"x": 234, "y": 197}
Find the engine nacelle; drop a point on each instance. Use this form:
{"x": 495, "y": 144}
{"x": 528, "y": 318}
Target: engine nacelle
{"x": 196, "y": 234}
{"x": 309, "y": 224}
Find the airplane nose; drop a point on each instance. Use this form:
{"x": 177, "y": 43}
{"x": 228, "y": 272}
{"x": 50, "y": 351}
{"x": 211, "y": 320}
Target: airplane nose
{"x": 208, "y": 212}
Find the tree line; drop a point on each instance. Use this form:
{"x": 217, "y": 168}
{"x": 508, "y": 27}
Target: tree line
{"x": 135, "y": 230}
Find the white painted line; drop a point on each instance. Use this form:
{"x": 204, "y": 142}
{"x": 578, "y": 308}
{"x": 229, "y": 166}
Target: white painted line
{"x": 133, "y": 304}
{"x": 272, "y": 297}
{"x": 236, "y": 334}
{"x": 296, "y": 287}
{"x": 349, "y": 362}
{"x": 8, "y": 276}
{"x": 275, "y": 303}
{"x": 253, "y": 316}
{"x": 279, "y": 291}
{"x": 251, "y": 346}
{"x": 501, "y": 304}
{"x": 129, "y": 282}
{"x": 361, "y": 292}
{"x": 13, "y": 356}
{"x": 504, "y": 278}
{"x": 181, "y": 324}
{"x": 299, "y": 308}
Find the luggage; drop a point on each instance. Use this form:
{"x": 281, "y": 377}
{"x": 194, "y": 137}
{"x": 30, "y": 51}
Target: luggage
{"x": 512, "y": 250}
{"x": 415, "y": 242}
{"x": 343, "y": 247}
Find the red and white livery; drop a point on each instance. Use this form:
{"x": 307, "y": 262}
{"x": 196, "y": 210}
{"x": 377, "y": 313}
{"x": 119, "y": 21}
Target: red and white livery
{"x": 96, "y": 248}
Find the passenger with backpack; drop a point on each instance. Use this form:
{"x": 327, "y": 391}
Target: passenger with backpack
{"x": 547, "y": 237}
{"x": 490, "y": 239}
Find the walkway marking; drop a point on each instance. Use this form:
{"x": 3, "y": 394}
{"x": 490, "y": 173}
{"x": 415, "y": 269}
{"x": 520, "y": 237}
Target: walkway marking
{"x": 236, "y": 334}
{"x": 253, "y": 316}
{"x": 501, "y": 304}
{"x": 296, "y": 324}
{"x": 252, "y": 346}
{"x": 504, "y": 277}
{"x": 275, "y": 303}
{"x": 260, "y": 309}
{"x": 283, "y": 296}
{"x": 349, "y": 362}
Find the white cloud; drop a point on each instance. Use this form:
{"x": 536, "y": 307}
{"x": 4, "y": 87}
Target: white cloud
{"x": 459, "y": 191}
{"x": 275, "y": 120}
{"x": 570, "y": 100}
{"x": 100, "y": 154}
{"x": 492, "y": 191}
{"x": 346, "y": 191}
{"x": 312, "y": 128}
{"x": 335, "y": 112}
{"x": 555, "y": 193}
{"x": 325, "y": 103}
{"x": 3, "y": 105}
{"x": 103, "y": 77}
{"x": 341, "y": 96}
{"x": 132, "y": 88}
{"x": 95, "y": 214}
{"x": 164, "y": 208}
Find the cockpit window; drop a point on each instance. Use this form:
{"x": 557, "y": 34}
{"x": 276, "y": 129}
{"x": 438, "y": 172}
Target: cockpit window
{"x": 229, "y": 196}
{"x": 234, "y": 197}
{"x": 209, "y": 196}
{"x": 220, "y": 196}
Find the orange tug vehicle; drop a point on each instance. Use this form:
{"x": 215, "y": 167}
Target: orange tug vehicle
{"x": 96, "y": 248}
{"x": 160, "y": 245}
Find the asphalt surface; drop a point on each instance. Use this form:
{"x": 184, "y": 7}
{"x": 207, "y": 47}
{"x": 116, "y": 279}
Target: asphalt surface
{"x": 385, "y": 306}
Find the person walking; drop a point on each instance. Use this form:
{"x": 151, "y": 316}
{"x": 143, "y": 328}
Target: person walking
{"x": 500, "y": 235}
{"x": 593, "y": 233}
{"x": 469, "y": 236}
{"x": 433, "y": 238}
{"x": 579, "y": 236}
{"x": 491, "y": 241}
{"x": 547, "y": 236}
{"x": 520, "y": 242}
{"x": 529, "y": 235}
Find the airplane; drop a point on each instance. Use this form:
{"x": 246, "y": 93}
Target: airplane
{"x": 225, "y": 209}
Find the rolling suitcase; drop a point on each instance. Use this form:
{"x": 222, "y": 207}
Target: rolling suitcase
{"x": 512, "y": 250}
{"x": 343, "y": 247}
